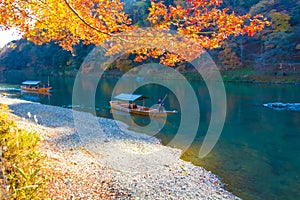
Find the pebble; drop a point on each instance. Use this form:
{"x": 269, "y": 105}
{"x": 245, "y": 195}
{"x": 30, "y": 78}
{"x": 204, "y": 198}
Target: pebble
{"x": 113, "y": 163}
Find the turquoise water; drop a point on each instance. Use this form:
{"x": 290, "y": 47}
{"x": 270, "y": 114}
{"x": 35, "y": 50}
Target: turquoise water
{"x": 258, "y": 153}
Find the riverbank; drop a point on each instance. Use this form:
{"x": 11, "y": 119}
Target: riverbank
{"x": 243, "y": 75}
{"x": 107, "y": 162}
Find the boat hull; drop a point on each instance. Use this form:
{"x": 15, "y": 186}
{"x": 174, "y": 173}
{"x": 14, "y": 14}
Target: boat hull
{"x": 140, "y": 110}
{"x": 40, "y": 90}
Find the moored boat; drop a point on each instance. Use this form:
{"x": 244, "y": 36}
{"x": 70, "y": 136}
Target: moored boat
{"x": 35, "y": 86}
{"x": 126, "y": 103}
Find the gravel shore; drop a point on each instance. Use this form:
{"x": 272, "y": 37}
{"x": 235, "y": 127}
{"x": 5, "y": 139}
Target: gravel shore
{"x": 92, "y": 158}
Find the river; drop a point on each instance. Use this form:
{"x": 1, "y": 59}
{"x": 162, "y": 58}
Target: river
{"x": 258, "y": 153}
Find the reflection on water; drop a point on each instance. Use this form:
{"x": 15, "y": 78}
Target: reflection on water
{"x": 35, "y": 96}
{"x": 257, "y": 155}
{"x": 137, "y": 123}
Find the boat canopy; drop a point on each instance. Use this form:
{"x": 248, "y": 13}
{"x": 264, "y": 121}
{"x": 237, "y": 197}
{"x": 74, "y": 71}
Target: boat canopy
{"x": 31, "y": 82}
{"x": 129, "y": 97}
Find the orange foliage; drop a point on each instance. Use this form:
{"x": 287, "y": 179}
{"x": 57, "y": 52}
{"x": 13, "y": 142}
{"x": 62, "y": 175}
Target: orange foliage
{"x": 65, "y": 21}
{"x": 94, "y": 21}
{"x": 203, "y": 21}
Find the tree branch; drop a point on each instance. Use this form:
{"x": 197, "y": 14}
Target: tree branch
{"x": 82, "y": 19}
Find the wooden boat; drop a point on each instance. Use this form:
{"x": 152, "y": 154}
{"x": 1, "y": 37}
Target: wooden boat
{"x": 35, "y": 86}
{"x": 126, "y": 103}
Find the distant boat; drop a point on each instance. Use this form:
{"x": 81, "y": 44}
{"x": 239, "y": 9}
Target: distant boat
{"x": 35, "y": 86}
{"x": 126, "y": 103}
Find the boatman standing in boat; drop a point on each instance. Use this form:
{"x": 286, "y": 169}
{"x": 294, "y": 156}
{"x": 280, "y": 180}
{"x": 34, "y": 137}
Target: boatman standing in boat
{"x": 160, "y": 105}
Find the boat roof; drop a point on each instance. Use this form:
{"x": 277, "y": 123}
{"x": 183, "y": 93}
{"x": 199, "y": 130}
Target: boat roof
{"x": 128, "y": 97}
{"x": 31, "y": 82}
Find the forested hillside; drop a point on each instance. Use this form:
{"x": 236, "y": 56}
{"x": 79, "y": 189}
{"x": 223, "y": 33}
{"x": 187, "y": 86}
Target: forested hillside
{"x": 277, "y": 47}
{"x": 44, "y": 59}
